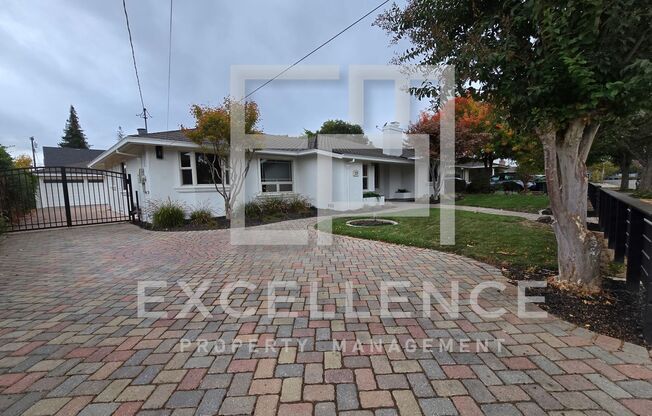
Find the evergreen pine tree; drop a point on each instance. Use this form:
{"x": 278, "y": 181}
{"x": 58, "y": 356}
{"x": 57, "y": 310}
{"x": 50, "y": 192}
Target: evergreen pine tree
{"x": 73, "y": 135}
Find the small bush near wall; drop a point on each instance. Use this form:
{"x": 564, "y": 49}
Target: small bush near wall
{"x": 479, "y": 187}
{"x": 202, "y": 216}
{"x": 169, "y": 214}
{"x": 371, "y": 194}
{"x": 271, "y": 209}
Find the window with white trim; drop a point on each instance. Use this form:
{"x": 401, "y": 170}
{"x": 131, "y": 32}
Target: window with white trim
{"x": 196, "y": 168}
{"x": 365, "y": 177}
{"x": 204, "y": 163}
{"x": 276, "y": 175}
{"x": 186, "y": 168}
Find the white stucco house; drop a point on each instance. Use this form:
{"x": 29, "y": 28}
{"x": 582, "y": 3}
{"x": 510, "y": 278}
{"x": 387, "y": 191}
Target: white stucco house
{"x": 168, "y": 165}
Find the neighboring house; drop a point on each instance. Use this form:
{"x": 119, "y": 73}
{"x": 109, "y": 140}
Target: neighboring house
{"x": 473, "y": 171}
{"x": 168, "y": 165}
{"x": 85, "y": 188}
{"x": 66, "y": 156}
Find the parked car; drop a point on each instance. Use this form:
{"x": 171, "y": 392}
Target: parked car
{"x": 503, "y": 180}
{"x": 538, "y": 184}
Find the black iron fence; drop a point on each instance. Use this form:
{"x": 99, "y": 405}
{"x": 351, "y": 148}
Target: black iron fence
{"x": 48, "y": 197}
{"x": 627, "y": 225}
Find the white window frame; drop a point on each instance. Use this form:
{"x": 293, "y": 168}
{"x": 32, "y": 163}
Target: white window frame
{"x": 191, "y": 168}
{"x": 277, "y": 183}
{"x": 365, "y": 166}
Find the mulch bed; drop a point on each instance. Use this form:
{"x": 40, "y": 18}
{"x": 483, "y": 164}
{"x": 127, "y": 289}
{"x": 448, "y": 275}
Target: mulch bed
{"x": 222, "y": 223}
{"x": 615, "y": 311}
{"x": 370, "y": 223}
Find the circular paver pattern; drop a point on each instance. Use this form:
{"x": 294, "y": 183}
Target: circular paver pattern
{"x": 71, "y": 339}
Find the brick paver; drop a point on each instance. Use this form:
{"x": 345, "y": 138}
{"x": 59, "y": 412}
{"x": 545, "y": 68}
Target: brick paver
{"x": 71, "y": 341}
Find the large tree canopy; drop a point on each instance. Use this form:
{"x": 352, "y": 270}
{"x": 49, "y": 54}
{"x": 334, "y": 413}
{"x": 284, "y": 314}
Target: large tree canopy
{"x": 556, "y": 68}
{"x": 541, "y": 60}
{"x": 479, "y": 132}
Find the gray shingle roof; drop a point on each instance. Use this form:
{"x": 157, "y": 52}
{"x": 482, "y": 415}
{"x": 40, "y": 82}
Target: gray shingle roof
{"x": 335, "y": 144}
{"x": 65, "y": 156}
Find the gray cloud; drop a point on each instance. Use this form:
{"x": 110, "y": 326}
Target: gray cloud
{"x": 54, "y": 54}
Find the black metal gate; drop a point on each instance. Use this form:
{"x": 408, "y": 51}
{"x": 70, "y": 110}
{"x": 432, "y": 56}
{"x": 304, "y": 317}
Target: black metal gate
{"x": 48, "y": 197}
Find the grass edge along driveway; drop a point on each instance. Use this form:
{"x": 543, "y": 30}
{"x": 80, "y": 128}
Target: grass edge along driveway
{"x": 494, "y": 239}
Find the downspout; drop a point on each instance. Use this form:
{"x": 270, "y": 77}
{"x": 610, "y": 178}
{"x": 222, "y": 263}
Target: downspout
{"x": 348, "y": 184}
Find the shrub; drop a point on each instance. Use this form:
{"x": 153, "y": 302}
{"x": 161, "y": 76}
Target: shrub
{"x": 642, "y": 194}
{"x": 370, "y": 194}
{"x": 18, "y": 190}
{"x": 4, "y": 224}
{"x": 511, "y": 187}
{"x": 479, "y": 187}
{"x": 202, "y": 216}
{"x": 276, "y": 207}
{"x": 169, "y": 214}
{"x": 297, "y": 205}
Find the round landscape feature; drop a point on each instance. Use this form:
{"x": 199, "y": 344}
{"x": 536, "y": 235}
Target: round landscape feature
{"x": 370, "y": 222}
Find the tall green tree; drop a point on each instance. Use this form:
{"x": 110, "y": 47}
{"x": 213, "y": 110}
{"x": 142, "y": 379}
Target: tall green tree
{"x": 626, "y": 140}
{"x": 73, "y": 135}
{"x": 556, "y": 67}
{"x": 339, "y": 127}
{"x": 6, "y": 162}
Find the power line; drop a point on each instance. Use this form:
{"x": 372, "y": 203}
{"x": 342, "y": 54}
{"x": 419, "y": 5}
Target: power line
{"x": 167, "y": 119}
{"x": 133, "y": 55}
{"x": 316, "y": 49}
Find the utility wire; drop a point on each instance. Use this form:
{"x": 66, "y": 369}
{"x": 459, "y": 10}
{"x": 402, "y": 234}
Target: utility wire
{"x": 133, "y": 55}
{"x": 167, "y": 119}
{"x": 316, "y": 49}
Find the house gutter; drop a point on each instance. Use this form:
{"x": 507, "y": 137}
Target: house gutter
{"x": 118, "y": 152}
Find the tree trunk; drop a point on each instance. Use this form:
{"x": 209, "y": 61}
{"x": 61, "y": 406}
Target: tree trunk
{"x": 646, "y": 174}
{"x": 565, "y": 153}
{"x": 625, "y": 164}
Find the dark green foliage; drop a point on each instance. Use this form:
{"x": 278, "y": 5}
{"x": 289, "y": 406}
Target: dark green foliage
{"x": 202, "y": 216}
{"x": 338, "y": 127}
{"x": 540, "y": 60}
{"x": 6, "y": 162}
{"x": 17, "y": 193}
{"x": 277, "y": 208}
{"x": 479, "y": 187}
{"x": 371, "y": 194}
{"x": 642, "y": 194}
{"x": 73, "y": 135}
{"x": 4, "y": 224}
{"x": 169, "y": 214}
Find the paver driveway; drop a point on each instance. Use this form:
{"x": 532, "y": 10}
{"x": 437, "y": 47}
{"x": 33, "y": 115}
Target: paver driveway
{"x": 71, "y": 340}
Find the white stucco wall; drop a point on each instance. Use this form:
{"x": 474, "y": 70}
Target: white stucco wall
{"x": 163, "y": 180}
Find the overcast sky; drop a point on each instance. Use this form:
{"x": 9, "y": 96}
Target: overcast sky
{"x": 57, "y": 53}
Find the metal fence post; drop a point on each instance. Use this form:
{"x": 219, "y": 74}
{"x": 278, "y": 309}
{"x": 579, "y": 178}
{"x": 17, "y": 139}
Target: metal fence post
{"x": 130, "y": 199}
{"x": 66, "y": 197}
{"x": 620, "y": 236}
{"x": 634, "y": 249}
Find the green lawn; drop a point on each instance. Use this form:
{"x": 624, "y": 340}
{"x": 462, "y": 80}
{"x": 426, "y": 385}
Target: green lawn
{"x": 494, "y": 239}
{"x": 511, "y": 202}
